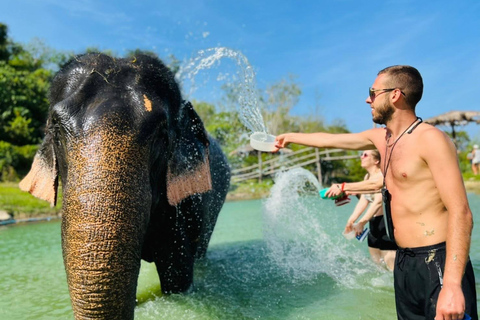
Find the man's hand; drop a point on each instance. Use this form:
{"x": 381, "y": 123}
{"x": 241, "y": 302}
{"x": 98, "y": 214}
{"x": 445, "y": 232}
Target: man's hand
{"x": 280, "y": 142}
{"x": 450, "y": 303}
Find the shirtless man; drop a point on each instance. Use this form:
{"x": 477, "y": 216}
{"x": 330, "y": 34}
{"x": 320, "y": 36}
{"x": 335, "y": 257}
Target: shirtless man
{"x": 433, "y": 276}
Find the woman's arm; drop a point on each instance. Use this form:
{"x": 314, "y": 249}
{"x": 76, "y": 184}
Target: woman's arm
{"x": 374, "y": 208}
{"x": 359, "y": 208}
{"x": 372, "y": 185}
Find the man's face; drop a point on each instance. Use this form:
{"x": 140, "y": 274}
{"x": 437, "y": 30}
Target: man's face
{"x": 381, "y": 114}
{"x": 382, "y": 108}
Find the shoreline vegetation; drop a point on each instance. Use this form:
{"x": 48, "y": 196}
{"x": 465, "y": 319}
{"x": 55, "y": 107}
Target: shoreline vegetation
{"x": 17, "y": 206}
{"x": 473, "y": 186}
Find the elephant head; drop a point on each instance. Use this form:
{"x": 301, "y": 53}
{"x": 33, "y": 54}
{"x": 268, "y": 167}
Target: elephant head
{"x": 140, "y": 176}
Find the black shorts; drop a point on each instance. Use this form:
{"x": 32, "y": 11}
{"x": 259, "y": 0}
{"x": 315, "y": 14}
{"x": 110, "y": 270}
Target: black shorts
{"x": 418, "y": 277}
{"x": 377, "y": 238}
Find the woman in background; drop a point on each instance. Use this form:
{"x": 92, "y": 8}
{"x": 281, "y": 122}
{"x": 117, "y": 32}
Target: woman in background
{"x": 382, "y": 249}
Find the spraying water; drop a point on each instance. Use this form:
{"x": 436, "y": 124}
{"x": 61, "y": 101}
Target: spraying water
{"x": 295, "y": 230}
{"x": 247, "y": 109}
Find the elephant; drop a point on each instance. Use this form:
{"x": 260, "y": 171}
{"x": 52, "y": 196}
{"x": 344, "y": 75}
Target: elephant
{"x": 141, "y": 179}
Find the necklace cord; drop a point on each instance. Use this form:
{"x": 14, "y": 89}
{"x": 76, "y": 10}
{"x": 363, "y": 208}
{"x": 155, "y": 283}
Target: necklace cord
{"x": 386, "y": 164}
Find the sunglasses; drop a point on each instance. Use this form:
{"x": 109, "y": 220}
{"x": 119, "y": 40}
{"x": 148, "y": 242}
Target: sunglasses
{"x": 364, "y": 155}
{"x": 371, "y": 92}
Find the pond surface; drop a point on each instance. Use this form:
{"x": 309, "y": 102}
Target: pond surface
{"x": 290, "y": 263}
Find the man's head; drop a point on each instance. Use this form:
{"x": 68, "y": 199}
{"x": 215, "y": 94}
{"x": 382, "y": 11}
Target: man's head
{"x": 407, "y": 79}
{"x": 394, "y": 87}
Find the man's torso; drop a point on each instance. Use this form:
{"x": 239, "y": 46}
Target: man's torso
{"x": 419, "y": 215}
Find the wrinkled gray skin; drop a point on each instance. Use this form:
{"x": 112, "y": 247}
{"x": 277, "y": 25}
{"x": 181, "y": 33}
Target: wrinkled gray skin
{"x": 141, "y": 179}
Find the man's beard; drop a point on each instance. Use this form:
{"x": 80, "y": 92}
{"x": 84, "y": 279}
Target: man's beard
{"x": 384, "y": 114}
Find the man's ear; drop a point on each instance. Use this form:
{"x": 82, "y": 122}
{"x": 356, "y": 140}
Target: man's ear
{"x": 396, "y": 95}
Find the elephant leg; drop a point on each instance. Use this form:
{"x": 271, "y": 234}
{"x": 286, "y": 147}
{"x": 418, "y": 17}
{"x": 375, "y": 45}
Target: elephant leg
{"x": 175, "y": 264}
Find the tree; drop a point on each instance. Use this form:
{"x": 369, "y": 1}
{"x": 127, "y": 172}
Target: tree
{"x": 25, "y": 74}
{"x": 3, "y": 42}
{"x": 280, "y": 98}
{"x": 224, "y": 126}
{"x": 23, "y": 103}
{"x": 173, "y": 63}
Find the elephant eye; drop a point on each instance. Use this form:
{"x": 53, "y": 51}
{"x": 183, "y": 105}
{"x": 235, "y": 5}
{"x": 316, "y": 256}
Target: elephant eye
{"x": 56, "y": 134}
{"x": 54, "y": 128}
{"x": 54, "y": 123}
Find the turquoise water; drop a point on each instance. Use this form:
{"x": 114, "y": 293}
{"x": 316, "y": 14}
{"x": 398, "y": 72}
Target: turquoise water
{"x": 264, "y": 262}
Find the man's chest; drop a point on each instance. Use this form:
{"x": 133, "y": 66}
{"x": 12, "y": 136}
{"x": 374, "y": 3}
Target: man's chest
{"x": 403, "y": 164}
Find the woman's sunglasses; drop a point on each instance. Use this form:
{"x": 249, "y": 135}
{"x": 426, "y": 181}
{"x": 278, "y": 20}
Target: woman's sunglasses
{"x": 364, "y": 155}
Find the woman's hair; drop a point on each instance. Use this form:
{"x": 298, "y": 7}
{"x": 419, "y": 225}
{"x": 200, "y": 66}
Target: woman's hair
{"x": 376, "y": 155}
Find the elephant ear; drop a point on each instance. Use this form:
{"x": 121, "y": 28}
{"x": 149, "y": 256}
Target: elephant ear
{"x": 188, "y": 166}
{"x": 42, "y": 180}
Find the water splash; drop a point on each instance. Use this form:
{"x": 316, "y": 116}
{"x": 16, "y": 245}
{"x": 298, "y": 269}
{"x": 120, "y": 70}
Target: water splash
{"x": 247, "y": 108}
{"x": 296, "y": 232}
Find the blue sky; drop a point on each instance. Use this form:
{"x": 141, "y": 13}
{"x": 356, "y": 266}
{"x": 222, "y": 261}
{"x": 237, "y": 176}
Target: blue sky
{"x": 334, "y": 48}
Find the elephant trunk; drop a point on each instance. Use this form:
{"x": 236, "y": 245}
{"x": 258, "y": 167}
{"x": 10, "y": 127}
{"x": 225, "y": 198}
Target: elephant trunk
{"x": 106, "y": 209}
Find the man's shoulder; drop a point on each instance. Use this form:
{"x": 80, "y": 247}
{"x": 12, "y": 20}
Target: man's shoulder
{"x": 432, "y": 140}
{"x": 376, "y": 132}
{"x": 372, "y": 135}
{"x": 427, "y": 131}
{"x": 377, "y": 136}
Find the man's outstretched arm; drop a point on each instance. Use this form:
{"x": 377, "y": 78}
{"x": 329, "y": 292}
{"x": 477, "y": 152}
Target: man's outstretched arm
{"x": 350, "y": 141}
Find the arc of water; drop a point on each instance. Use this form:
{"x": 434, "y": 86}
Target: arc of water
{"x": 297, "y": 237}
{"x": 248, "y": 110}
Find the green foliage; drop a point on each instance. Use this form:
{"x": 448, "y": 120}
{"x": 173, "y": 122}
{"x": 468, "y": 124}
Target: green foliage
{"x": 173, "y": 63}
{"x": 206, "y": 111}
{"x": 23, "y": 104}
{"x": 15, "y": 161}
{"x": 464, "y": 157}
{"x": 4, "y": 54}
{"x": 133, "y": 53}
{"x": 46, "y": 57}
{"x": 21, "y": 204}
{"x": 469, "y": 176}
{"x": 225, "y": 127}
{"x": 461, "y": 140}
{"x": 355, "y": 170}
{"x": 7, "y": 159}
{"x": 107, "y": 51}
{"x": 279, "y": 100}
{"x": 25, "y": 75}
{"x": 251, "y": 189}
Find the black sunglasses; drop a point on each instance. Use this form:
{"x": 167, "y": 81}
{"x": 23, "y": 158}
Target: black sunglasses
{"x": 371, "y": 92}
